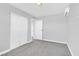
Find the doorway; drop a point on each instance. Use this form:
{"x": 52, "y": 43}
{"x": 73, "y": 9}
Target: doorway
{"x": 38, "y": 29}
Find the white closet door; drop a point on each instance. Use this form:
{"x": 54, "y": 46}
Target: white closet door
{"x": 19, "y": 26}
{"x": 38, "y": 29}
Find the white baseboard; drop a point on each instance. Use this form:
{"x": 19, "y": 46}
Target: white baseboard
{"x": 70, "y": 50}
{"x": 55, "y": 41}
{"x": 8, "y": 50}
{"x": 3, "y": 52}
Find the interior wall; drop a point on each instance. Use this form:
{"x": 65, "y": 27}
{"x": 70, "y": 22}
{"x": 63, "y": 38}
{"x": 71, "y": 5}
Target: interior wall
{"x": 29, "y": 17}
{"x": 5, "y": 21}
{"x": 4, "y": 27}
{"x": 55, "y": 28}
{"x": 74, "y": 29}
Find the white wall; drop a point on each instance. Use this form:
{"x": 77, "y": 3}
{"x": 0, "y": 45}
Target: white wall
{"x": 5, "y": 13}
{"x": 73, "y": 41}
{"x": 4, "y": 27}
{"x": 54, "y": 28}
{"x": 22, "y": 13}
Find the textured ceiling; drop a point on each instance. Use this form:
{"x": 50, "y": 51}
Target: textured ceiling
{"x": 44, "y": 10}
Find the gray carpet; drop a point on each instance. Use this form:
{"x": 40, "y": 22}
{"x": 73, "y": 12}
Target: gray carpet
{"x": 40, "y": 48}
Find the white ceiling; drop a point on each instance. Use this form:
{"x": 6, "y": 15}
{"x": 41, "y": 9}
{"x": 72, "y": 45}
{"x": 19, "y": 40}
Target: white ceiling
{"x": 44, "y": 10}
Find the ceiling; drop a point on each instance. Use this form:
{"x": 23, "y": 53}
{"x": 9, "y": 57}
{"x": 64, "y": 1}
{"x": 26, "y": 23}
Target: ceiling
{"x": 39, "y": 11}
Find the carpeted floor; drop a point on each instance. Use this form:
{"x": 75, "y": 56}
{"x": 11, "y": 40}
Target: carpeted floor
{"x": 40, "y": 48}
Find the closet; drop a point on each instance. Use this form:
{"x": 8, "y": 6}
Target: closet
{"x": 19, "y": 28}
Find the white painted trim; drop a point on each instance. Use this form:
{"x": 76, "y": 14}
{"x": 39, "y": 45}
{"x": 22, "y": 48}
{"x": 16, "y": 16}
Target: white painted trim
{"x": 8, "y": 50}
{"x": 3, "y": 52}
{"x": 54, "y": 41}
{"x": 70, "y": 50}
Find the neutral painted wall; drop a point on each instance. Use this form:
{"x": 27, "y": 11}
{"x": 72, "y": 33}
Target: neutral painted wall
{"x": 5, "y": 13}
{"x": 55, "y": 28}
{"x": 22, "y": 13}
{"x": 73, "y": 41}
{"x": 4, "y": 27}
